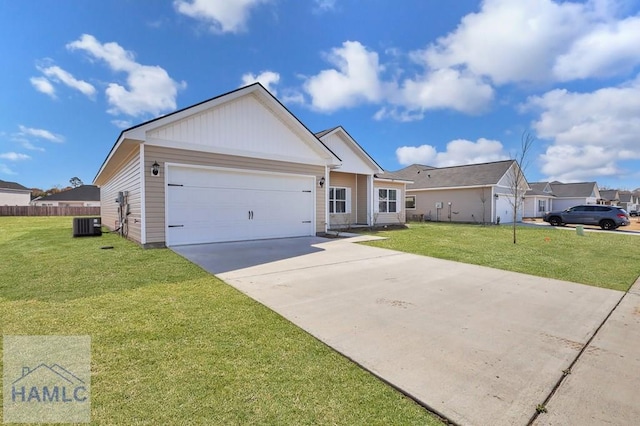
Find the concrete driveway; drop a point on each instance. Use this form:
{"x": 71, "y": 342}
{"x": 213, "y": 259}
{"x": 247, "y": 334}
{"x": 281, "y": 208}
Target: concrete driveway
{"x": 476, "y": 345}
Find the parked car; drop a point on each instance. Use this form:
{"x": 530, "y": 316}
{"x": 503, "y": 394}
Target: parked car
{"x": 633, "y": 212}
{"x": 607, "y": 217}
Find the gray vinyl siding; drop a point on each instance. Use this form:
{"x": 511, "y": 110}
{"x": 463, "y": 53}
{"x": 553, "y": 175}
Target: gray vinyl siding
{"x": 127, "y": 178}
{"x": 155, "y": 186}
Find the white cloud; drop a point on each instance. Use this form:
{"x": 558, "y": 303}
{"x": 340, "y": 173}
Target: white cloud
{"x": 224, "y": 16}
{"x": 150, "y": 89}
{"x": 510, "y": 40}
{"x": 609, "y": 49}
{"x": 56, "y": 73}
{"x": 445, "y": 88}
{"x": 40, "y": 134}
{"x": 459, "y": 151}
{"x": 539, "y": 40}
{"x": 267, "y": 78}
{"x": 121, "y": 124}
{"x": 589, "y": 132}
{"x": 324, "y": 5}
{"x": 355, "y": 81}
{"x": 43, "y": 85}
{"x": 14, "y": 156}
{"x": 28, "y": 145}
{"x": 5, "y": 170}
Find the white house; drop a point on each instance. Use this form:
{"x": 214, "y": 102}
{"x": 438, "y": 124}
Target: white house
{"x": 14, "y": 194}
{"x": 239, "y": 166}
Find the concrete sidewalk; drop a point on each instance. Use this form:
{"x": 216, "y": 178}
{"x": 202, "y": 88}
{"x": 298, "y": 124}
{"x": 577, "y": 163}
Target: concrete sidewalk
{"x": 603, "y": 385}
{"x": 477, "y": 345}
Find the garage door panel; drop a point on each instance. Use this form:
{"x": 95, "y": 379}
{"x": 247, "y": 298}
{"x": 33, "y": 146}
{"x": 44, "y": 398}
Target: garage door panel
{"x": 206, "y": 205}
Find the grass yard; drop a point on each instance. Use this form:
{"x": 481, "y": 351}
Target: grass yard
{"x": 172, "y": 344}
{"x": 602, "y": 259}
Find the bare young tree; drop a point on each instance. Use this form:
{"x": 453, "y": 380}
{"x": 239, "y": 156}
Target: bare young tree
{"x": 517, "y": 180}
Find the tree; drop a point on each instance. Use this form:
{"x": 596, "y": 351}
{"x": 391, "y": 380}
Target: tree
{"x": 75, "y": 182}
{"x": 517, "y": 180}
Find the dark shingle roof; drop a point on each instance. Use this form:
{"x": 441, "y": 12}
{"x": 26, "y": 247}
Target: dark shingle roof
{"x": 625, "y": 196}
{"x": 425, "y": 177}
{"x": 609, "y": 194}
{"x": 12, "y": 185}
{"x": 579, "y": 189}
{"x": 81, "y": 193}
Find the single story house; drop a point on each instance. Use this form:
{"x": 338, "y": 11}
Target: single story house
{"x": 239, "y": 166}
{"x": 629, "y": 200}
{"x": 538, "y": 200}
{"x": 609, "y": 197}
{"x": 480, "y": 193}
{"x": 572, "y": 194}
{"x": 14, "y": 194}
{"x": 350, "y": 194}
{"x": 82, "y": 196}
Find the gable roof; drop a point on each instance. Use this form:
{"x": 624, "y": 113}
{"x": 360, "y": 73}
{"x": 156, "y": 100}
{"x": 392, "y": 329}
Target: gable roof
{"x": 81, "y": 193}
{"x": 13, "y": 185}
{"x": 573, "y": 190}
{"x": 483, "y": 174}
{"x": 625, "y": 196}
{"x": 355, "y": 146}
{"x": 137, "y": 134}
{"x": 609, "y": 194}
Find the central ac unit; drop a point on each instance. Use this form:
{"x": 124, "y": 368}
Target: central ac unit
{"x": 87, "y": 226}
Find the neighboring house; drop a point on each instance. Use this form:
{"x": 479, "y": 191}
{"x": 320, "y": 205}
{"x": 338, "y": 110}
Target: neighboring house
{"x": 609, "y": 197}
{"x": 236, "y": 167}
{"x": 538, "y": 200}
{"x": 14, "y": 194}
{"x": 572, "y": 194}
{"x": 628, "y": 200}
{"x": 480, "y": 193}
{"x": 82, "y": 196}
{"x": 360, "y": 186}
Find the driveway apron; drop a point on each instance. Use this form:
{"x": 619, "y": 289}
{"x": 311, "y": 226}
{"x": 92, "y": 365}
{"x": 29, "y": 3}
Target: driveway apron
{"x": 476, "y": 345}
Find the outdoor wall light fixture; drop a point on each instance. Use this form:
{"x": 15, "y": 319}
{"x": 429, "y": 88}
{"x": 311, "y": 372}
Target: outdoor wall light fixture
{"x": 496, "y": 195}
{"x": 321, "y": 182}
{"x": 155, "y": 168}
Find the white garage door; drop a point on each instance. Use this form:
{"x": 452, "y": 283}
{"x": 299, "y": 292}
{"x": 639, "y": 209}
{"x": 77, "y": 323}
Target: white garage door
{"x": 210, "y": 205}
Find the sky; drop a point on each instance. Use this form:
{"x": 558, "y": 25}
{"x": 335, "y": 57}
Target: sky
{"x": 439, "y": 83}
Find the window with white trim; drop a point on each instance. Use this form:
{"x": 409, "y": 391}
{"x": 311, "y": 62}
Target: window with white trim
{"x": 410, "y": 202}
{"x": 339, "y": 200}
{"x": 387, "y": 200}
{"x": 542, "y": 206}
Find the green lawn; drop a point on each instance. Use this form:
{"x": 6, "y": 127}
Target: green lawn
{"x": 609, "y": 260}
{"x": 172, "y": 344}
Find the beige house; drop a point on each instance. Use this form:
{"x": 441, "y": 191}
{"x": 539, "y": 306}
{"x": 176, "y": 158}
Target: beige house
{"x": 239, "y": 167}
{"x": 14, "y": 194}
{"x": 351, "y": 199}
{"x": 472, "y": 193}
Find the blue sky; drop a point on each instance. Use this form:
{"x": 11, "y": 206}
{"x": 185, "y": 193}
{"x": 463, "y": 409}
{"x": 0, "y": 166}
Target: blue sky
{"x": 413, "y": 81}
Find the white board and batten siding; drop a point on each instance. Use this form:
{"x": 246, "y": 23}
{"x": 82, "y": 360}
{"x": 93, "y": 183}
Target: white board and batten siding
{"x": 127, "y": 178}
{"x": 242, "y": 127}
{"x": 207, "y": 205}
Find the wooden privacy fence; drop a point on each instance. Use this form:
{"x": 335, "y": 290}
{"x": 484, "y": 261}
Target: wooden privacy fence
{"x": 48, "y": 211}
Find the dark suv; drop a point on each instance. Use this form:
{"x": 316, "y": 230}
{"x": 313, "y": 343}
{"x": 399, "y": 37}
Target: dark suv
{"x": 607, "y": 217}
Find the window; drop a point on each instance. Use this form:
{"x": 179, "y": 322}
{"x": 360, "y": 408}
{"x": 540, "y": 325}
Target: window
{"x": 410, "y": 202}
{"x": 387, "y": 200}
{"x": 338, "y": 200}
{"x": 542, "y": 206}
